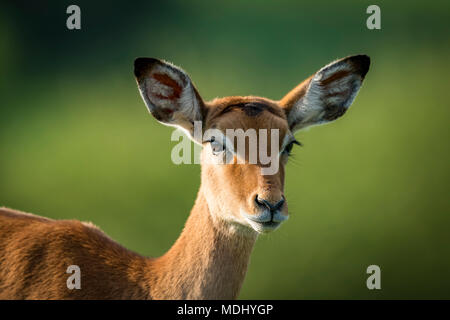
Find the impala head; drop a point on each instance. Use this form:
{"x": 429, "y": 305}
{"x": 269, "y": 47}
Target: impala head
{"x": 237, "y": 189}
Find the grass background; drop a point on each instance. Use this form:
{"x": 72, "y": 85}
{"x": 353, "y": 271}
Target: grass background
{"x": 76, "y": 140}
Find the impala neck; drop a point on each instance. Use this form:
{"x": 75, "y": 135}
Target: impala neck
{"x": 208, "y": 261}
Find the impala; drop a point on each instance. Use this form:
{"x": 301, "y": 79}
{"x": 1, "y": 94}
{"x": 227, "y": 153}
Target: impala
{"x": 236, "y": 202}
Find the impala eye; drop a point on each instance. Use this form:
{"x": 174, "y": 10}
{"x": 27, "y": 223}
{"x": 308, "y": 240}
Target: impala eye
{"x": 216, "y": 146}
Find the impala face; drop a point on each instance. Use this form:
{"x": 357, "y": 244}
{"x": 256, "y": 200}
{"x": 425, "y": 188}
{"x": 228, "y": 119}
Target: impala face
{"x": 249, "y": 196}
{"x": 237, "y": 189}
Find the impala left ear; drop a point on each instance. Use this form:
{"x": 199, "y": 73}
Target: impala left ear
{"x": 327, "y": 94}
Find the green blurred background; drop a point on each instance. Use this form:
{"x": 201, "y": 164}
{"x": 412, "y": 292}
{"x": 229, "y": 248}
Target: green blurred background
{"x": 76, "y": 141}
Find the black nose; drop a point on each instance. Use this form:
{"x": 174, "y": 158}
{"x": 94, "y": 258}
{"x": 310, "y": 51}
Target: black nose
{"x": 271, "y": 206}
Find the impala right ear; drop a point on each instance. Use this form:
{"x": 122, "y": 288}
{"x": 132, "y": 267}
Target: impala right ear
{"x": 169, "y": 94}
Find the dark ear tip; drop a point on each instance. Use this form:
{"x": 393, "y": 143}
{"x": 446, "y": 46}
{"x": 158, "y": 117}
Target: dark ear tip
{"x": 141, "y": 65}
{"x": 362, "y": 63}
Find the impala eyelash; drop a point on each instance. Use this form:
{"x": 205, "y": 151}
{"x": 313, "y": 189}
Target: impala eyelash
{"x": 288, "y": 149}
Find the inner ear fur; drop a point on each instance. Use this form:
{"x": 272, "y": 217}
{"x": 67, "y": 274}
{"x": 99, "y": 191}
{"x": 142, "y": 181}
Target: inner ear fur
{"x": 327, "y": 94}
{"x": 169, "y": 93}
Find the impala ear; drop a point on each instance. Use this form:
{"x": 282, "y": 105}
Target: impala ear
{"x": 327, "y": 94}
{"x": 169, "y": 94}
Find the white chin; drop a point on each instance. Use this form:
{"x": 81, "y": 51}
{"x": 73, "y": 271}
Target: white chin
{"x": 264, "y": 227}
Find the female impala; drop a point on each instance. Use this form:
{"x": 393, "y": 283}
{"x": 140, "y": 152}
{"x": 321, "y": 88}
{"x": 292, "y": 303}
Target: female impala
{"x": 235, "y": 202}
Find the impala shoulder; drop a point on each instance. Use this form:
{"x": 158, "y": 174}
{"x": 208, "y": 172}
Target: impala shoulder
{"x": 87, "y": 237}
{"x": 77, "y": 228}
{"x": 90, "y": 225}
{"x": 16, "y": 214}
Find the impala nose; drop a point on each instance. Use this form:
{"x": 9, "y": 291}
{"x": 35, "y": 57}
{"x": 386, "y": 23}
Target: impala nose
{"x": 272, "y": 206}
